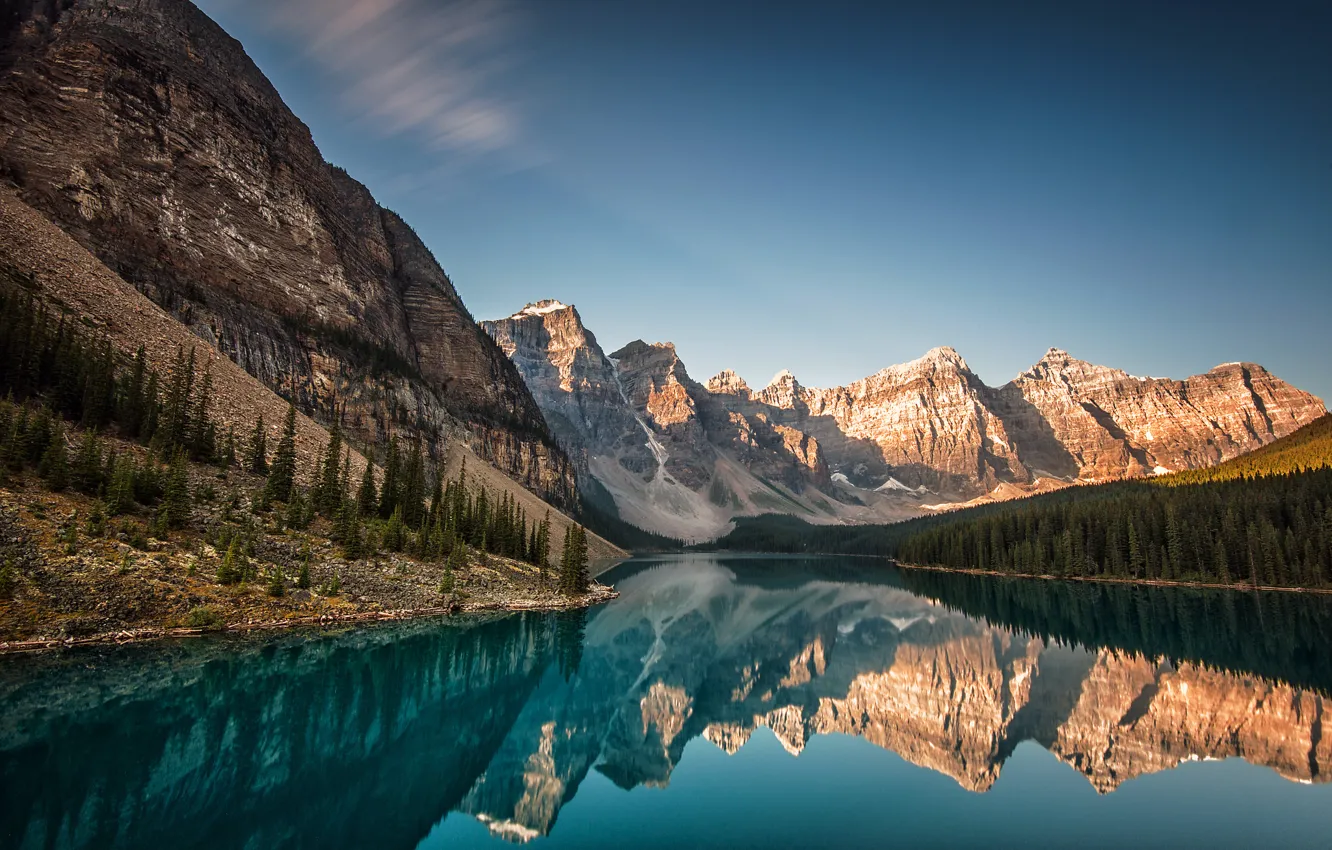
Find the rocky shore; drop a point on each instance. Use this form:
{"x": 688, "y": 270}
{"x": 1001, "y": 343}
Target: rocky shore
{"x": 62, "y": 586}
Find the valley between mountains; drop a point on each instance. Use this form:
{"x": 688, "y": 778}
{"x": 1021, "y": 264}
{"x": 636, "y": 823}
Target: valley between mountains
{"x": 682, "y": 458}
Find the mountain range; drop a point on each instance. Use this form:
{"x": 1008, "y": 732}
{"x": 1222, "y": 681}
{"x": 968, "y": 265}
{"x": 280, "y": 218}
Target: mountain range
{"x": 144, "y": 151}
{"x": 683, "y": 458}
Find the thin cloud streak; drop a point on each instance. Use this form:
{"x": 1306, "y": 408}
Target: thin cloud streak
{"x": 409, "y": 67}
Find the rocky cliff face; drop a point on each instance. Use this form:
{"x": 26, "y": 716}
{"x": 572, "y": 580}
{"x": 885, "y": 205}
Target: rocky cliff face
{"x": 932, "y": 423}
{"x": 144, "y": 131}
{"x": 683, "y": 458}
{"x": 1076, "y": 419}
{"x": 673, "y": 459}
{"x": 574, "y": 382}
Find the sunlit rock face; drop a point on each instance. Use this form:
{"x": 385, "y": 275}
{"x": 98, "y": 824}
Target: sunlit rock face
{"x": 1073, "y": 418}
{"x": 923, "y": 423}
{"x": 575, "y": 384}
{"x": 145, "y": 132}
{"x": 690, "y": 653}
{"x": 904, "y": 441}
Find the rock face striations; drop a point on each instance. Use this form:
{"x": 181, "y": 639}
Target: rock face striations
{"x": 683, "y": 458}
{"x": 145, "y": 132}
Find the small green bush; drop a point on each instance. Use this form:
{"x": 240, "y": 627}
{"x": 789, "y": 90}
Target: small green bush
{"x": 204, "y": 617}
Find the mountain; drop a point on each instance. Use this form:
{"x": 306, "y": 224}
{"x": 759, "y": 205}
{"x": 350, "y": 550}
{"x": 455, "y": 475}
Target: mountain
{"x": 667, "y": 456}
{"x": 684, "y": 458}
{"x": 39, "y": 258}
{"x": 147, "y": 134}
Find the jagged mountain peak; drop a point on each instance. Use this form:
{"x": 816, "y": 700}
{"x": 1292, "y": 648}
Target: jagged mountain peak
{"x": 639, "y": 348}
{"x": 727, "y": 381}
{"x": 945, "y": 354}
{"x": 1237, "y": 364}
{"x": 943, "y": 357}
{"x": 783, "y": 378}
{"x": 542, "y": 308}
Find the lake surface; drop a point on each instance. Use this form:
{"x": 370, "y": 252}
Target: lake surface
{"x": 721, "y": 701}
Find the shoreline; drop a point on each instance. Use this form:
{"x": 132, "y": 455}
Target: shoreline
{"x": 1108, "y": 580}
{"x": 599, "y": 594}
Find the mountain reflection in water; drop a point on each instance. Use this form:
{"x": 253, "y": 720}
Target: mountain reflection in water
{"x": 370, "y": 737}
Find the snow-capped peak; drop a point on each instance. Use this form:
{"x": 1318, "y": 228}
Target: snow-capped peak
{"x": 540, "y": 308}
{"x": 782, "y": 377}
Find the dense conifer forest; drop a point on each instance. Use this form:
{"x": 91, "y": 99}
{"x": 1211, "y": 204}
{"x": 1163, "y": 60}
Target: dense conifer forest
{"x": 64, "y": 393}
{"x": 1263, "y": 519}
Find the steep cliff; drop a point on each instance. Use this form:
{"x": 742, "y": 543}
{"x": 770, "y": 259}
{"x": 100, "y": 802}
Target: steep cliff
{"x": 145, "y": 132}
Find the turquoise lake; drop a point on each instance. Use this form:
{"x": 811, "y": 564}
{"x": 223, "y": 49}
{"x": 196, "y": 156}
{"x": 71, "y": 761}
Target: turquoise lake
{"x": 721, "y": 701}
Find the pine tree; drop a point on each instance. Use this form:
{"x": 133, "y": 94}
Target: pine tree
{"x": 303, "y": 577}
{"x": 152, "y": 409}
{"x": 176, "y": 497}
{"x": 389, "y": 491}
{"x": 231, "y": 570}
{"x": 282, "y": 473}
{"x": 133, "y": 401}
{"x": 87, "y": 472}
{"x": 413, "y": 488}
{"x": 202, "y": 437}
{"x": 297, "y": 515}
{"x": 54, "y": 467}
{"x": 543, "y": 547}
{"x": 367, "y": 497}
{"x": 226, "y": 455}
{"x": 120, "y": 489}
{"x": 457, "y": 557}
{"x": 174, "y": 426}
{"x": 329, "y": 493}
{"x": 277, "y": 584}
{"x": 344, "y": 480}
{"x": 256, "y": 454}
{"x": 573, "y": 565}
{"x": 351, "y": 534}
{"x": 394, "y": 532}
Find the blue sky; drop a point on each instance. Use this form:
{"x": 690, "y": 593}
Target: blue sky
{"x": 834, "y": 187}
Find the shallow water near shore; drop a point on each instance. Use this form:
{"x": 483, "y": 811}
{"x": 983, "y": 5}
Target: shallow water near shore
{"x": 725, "y": 701}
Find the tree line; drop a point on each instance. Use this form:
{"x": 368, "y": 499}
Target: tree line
{"x": 54, "y": 375}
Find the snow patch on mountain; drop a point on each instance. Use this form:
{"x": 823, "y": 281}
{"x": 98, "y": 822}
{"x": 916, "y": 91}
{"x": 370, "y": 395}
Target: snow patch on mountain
{"x": 540, "y": 308}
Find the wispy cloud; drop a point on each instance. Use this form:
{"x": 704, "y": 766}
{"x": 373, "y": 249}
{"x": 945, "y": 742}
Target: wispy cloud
{"x": 426, "y": 68}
